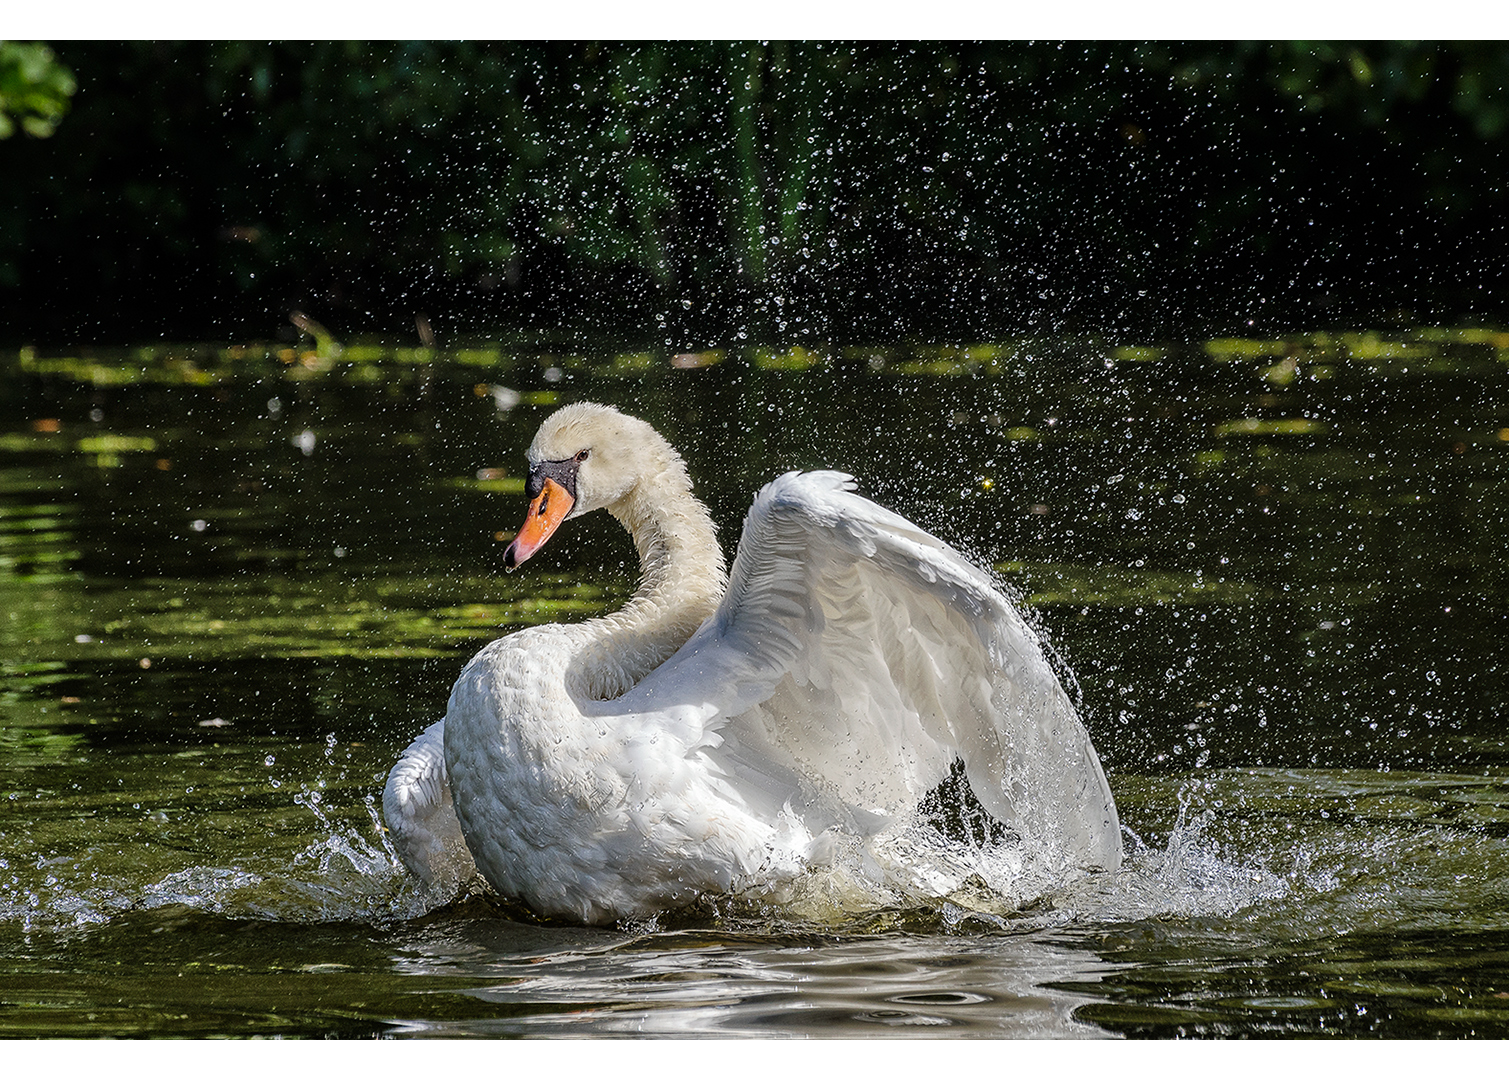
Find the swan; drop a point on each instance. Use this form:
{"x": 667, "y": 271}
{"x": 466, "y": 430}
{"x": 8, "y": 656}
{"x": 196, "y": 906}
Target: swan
{"x": 724, "y": 730}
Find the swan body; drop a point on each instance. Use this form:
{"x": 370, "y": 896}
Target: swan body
{"x": 725, "y": 731}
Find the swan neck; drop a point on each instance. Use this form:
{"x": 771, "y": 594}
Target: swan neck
{"x": 680, "y": 561}
{"x": 682, "y": 579}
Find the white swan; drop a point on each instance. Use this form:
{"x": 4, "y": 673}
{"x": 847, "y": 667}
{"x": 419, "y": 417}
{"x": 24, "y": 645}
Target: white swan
{"x": 719, "y": 732}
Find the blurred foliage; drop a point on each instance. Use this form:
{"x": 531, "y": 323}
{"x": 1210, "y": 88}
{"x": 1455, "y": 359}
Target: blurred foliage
{"x": 34, "y": 90}
{"x": 692, "y": 195}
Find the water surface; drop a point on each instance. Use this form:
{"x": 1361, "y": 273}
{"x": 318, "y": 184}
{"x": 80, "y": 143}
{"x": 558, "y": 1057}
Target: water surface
{"x": 235, "y": 583}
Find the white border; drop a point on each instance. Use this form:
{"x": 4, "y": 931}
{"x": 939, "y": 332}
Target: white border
{"x": 701, "y": 19}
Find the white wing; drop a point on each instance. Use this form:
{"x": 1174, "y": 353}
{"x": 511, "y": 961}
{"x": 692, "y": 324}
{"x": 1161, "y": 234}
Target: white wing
{"x": 416, "y": 804}
{"x": 854, "y": 658}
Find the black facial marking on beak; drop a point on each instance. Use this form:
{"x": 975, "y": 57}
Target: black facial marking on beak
{"x": 562, "y": 472}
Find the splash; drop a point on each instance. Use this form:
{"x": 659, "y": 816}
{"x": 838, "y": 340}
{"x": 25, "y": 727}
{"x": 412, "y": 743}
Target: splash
{"x": 1190, "y": 876}
{"x": 345, "y": 873}
{"x": 1331, "y": 872}
{"x": 924, "y": 878}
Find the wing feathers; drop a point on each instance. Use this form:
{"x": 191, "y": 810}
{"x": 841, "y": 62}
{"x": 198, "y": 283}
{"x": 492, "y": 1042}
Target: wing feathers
{"x": 859, "y": 651}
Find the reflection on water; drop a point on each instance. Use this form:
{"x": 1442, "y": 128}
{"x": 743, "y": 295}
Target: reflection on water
{"x": 233, "y": 586}
{"x": 732, "y": 984}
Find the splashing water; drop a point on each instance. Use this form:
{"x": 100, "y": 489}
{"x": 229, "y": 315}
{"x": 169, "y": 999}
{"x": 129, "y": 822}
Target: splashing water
{"x": 340, "y": 875}
{"x": 347, "y": 872}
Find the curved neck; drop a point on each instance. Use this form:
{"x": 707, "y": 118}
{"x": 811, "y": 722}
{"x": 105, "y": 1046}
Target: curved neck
{"x": 682, "y": 579}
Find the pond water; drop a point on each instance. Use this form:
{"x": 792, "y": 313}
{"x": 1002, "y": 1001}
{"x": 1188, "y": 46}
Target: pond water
{"x": 235, "y": 583}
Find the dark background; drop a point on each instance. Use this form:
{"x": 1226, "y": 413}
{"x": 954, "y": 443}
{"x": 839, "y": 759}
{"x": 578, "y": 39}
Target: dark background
{"x": 703, "y": 194}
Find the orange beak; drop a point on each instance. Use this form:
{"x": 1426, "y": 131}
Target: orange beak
{"x": 546, "y": 512}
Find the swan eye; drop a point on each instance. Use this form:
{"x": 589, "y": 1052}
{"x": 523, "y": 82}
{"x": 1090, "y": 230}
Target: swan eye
{"x": 581, "y": 455}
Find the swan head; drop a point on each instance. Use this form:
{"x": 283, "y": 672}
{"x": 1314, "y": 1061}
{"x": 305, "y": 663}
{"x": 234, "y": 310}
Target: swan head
{"x": 587, "y": 457}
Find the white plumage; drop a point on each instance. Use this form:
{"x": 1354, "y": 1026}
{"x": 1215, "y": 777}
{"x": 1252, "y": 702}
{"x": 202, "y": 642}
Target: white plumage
{"x": 708, "y": 739}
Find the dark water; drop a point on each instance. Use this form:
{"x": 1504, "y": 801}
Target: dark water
{"x": 233, "y": 585}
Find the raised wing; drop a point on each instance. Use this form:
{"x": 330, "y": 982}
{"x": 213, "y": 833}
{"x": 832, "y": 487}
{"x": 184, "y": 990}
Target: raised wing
{"x": 856, "y": 657}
